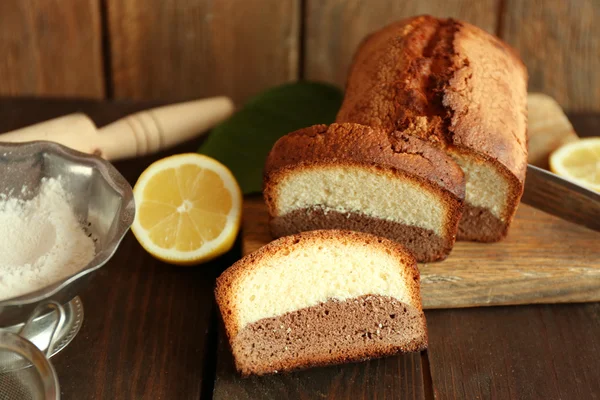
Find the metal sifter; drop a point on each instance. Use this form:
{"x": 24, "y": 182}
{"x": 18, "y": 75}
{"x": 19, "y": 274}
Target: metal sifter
{"x": 25, "y": 371}
{"x": 37, "y": 325}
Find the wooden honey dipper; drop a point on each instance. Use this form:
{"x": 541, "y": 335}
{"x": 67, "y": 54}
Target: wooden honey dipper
{"x": 142, "y": 133}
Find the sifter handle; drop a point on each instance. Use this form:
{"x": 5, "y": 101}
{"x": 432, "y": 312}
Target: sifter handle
{"x": 60, "y": 321}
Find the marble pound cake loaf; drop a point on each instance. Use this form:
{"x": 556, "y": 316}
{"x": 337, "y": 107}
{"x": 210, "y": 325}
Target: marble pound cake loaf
{"x": 460, "y": 89}
{"x": 318, "y": 298}
{"x": 354, "y": 177}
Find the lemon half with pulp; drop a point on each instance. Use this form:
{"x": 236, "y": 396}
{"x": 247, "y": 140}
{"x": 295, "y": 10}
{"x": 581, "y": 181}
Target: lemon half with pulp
{"x": 188, "y": 209}
{"x": 579, "y": 161}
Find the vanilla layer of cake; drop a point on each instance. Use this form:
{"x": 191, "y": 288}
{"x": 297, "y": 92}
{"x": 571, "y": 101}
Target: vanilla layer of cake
{"x": 348, "y": 189}
{"x": 486, "y": 187}
{"x": 311, "y": 274}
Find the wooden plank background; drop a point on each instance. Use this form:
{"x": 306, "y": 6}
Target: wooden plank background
{"x": 334, "y": 28}
{"x": 51, "y": 48}
{"x": 193, "y": 48}
{"x": 181, "y": 49}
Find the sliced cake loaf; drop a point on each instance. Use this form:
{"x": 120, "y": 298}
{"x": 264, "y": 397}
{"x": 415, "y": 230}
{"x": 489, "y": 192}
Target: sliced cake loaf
{"x": 350, "y": 176}
{"x": 459, "y": 88}
{"x": 321, "y": 297}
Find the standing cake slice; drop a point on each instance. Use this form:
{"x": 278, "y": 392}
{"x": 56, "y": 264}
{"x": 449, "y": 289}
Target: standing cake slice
{"x": 350, "y": 176}
{"x": 318, "y": 298}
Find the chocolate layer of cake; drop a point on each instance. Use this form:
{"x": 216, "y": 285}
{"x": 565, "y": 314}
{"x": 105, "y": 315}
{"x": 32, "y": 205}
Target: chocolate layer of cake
{"x": 424, "y": 244}
{"x": 329, "y": 333}
{"x": 479, "y": 224}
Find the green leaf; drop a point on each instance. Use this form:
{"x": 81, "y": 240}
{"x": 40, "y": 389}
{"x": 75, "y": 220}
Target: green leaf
{"x": 243, "y": 141}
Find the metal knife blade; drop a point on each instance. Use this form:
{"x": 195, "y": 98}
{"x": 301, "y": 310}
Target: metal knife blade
{"x": 561, "y": 197}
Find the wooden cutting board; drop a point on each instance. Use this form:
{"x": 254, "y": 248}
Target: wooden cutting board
{"x": 544, "y": 259}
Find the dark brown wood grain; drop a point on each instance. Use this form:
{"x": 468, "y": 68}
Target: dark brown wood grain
{"x": 148, "y": 325}
{"x": 180, "y": 49}
{"x": 559, "y": 42}
{"x": 334, "y": 28}
{"x": 398, "y": 377}
{"x": 195, "y": 48}
{"x": 527, "y": 352}
{"x": 145, "y": 331}
{"x": 51, "y": 48}
{"x": 585, "y": 124}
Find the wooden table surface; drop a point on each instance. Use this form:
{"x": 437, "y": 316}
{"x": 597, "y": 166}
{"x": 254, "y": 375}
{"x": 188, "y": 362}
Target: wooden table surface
{"x": 151, "y": 330}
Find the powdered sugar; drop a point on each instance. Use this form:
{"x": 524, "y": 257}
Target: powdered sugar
{"x": 41, "y": 240}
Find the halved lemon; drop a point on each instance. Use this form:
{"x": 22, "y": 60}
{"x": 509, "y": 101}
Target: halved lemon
{"x": 579, "y": 161}
{"x": 188, "y": 209}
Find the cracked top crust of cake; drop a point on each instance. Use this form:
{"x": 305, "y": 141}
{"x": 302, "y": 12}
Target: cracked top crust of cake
{"x": 445, "y": 81}
{"x": 458, "y": 88}
{"x": 368, "y": 146}
{"x": 356, "y": 168}
{"x": 304, "y": 270}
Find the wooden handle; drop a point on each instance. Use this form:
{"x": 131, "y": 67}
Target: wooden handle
{"x": 76, "y": 131}
{"x": 138, "y": 134}
{"x": 548, "y": 128}
{"x": 160, "y": 128}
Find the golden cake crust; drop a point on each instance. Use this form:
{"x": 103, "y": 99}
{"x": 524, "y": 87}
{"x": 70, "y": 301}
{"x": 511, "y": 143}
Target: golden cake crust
{"x": 488, "y": 103}
{"x": 389, "y": 86}
{"x": 450, "y": 83}
{"x": 369, "y": 146}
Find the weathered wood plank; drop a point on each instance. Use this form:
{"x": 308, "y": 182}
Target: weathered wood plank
{"x": 529, "y": 352}
{"x": 51, "y": 48}
{"x": 334, "y": 28}
{"x": 559, "y": 42}
{"x": 195, "y": 48}
{"x": 398, "y": 377}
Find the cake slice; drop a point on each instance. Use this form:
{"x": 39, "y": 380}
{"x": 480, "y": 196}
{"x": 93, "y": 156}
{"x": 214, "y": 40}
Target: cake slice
{"x": 350, "y": 176}
{"x": 460, "y": 89}
{"x": 318, "y": 298}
